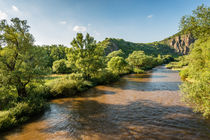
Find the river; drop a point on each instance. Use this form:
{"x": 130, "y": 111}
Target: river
{"x": 138, "y": 106}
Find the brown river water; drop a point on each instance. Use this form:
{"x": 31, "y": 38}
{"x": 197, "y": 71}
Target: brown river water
{"x": 138, "y": 106}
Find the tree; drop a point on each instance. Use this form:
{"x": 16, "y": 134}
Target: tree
{"x": 137, "y": 59}
{"x": 87, "y": 55}
{"x": 54, "y": 52}
{"x": 119, "y": 53}
{"x": 117, "y": 65}
{"x": 197, "y": 92}
{"x": 20, "y": 62}
{"x": 198, "y": 23}
{"x": 60, "y": 67}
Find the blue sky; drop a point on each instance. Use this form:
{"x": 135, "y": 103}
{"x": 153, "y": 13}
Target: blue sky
{"x": 58, "y": 21}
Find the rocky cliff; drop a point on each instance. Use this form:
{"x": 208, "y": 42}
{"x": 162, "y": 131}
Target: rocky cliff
{"x": 181, "y": 43}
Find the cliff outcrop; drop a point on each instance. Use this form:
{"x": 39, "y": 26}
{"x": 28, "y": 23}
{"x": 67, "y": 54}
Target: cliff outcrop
{"x": 181, "y": 43}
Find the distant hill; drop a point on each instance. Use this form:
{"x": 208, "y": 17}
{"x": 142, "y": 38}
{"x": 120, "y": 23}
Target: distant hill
{"x": 155, "y": 48}
{"x": 175, "y": 45}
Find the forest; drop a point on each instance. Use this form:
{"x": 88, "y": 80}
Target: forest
{"x": 31, "y": 75}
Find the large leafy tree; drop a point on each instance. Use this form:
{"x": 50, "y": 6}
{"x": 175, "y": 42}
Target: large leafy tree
{"x": 198, "y": 23}
{"x": 137, "y": 59}
{"x": 20, "y": 62}
{"x": 197, "y": 92}
{"x": 118, "y": 65}
{"x": 54, "y": 53}
{"x": 87, "y": 56}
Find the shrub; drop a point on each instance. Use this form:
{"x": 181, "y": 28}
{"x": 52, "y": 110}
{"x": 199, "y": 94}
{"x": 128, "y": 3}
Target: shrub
{"x": 197, "y": 94}
{"x": 60, "y": 67}
{"x": 69, "y": 85}
{"x": 118, "y": 65}
{"x": 7, "y": 99}
{"x": 137, "y": 70}
{"x": 184, "y": 74}
{"x": 105, "y": 77}
{"x": 21, "y": 112}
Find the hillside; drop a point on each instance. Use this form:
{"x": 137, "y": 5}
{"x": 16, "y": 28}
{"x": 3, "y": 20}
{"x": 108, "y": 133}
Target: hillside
{"x": 112, "y": 44}
{"x": 175, "y": 45}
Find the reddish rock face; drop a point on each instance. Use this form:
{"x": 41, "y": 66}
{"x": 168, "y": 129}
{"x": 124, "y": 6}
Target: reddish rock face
{"x": 181, "y": 43}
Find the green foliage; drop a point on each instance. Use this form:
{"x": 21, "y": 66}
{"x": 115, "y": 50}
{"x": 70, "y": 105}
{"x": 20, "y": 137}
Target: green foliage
{"x": 20, "y": 62}
{"x": 69, "y": 85}
{"x": 86, "y": 55}
{"x": 61, "y": 66}
{"x": 138, "y": 70}
{"x": 105, "y": 77}
{"x": 197, "y": 93}
{"x": 119, "y": 53}
{"x": 54, "y": 53}
{"x": 184, "y": 73}
{"x": 198, "y": 23}
{"x": 179, "y": 63}
{"x": 7, "y": 99}
{"x": 22, "y": 111}
{"x": 128, "y": 47}
{"x": 118, "y": 65}
{"x": 139, "y": 61}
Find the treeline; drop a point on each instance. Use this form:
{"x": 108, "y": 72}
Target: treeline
{"x": 29, "y": 74}
{"x": 195, "y": 67}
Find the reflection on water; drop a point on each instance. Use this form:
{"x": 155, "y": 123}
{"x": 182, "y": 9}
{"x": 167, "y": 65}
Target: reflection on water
{"x": 139, "y": 106}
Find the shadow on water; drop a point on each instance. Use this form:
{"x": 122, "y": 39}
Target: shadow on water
{"x": 137, "y": 119}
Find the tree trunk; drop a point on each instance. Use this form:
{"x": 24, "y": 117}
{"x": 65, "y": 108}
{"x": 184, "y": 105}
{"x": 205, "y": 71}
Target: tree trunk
{"x": 21, "y": 91}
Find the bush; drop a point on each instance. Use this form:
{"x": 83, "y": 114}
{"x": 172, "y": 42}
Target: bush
{"x": 69, "y": 85}
{"x": 138, "y": 71}
{"x": 197, "y": 94}
{"x": 21, "y": 112}
{"x": 105, "y": 77}
{"x": 60, "y": 67}
{"x": 184, "y": 74}
{"x": 7, "y": 99}
{"x": 118, "y": 65}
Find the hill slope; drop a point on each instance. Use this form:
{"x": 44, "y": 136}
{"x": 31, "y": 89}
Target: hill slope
{"x": 178, "y": 44}
{"x": 112, "y": 44}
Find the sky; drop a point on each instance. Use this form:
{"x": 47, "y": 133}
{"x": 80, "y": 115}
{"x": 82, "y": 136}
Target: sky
{"x": 140, "y": 21}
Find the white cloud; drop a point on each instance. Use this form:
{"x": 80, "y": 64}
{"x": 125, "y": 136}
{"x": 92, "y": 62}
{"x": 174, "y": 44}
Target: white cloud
{"x": 14, "y": 8}
{"x": 63, "y": 22}
{"x": 79, "y": 28}
{"x": 149, "y": 16}
{"x": 3, "y": 15}
{"x": 89, "y": 24}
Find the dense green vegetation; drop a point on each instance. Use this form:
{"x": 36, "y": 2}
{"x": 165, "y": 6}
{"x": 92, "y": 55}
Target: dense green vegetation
{"x": 26, "y": 79}
{"x": 155, "y": 49}
{"x": 195, "y": 68}
{"x": 29, "y": 74}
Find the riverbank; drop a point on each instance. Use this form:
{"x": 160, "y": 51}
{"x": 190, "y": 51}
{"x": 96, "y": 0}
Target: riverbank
{"x": 138, "y": 106}
{"x": 56, "y": 86}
